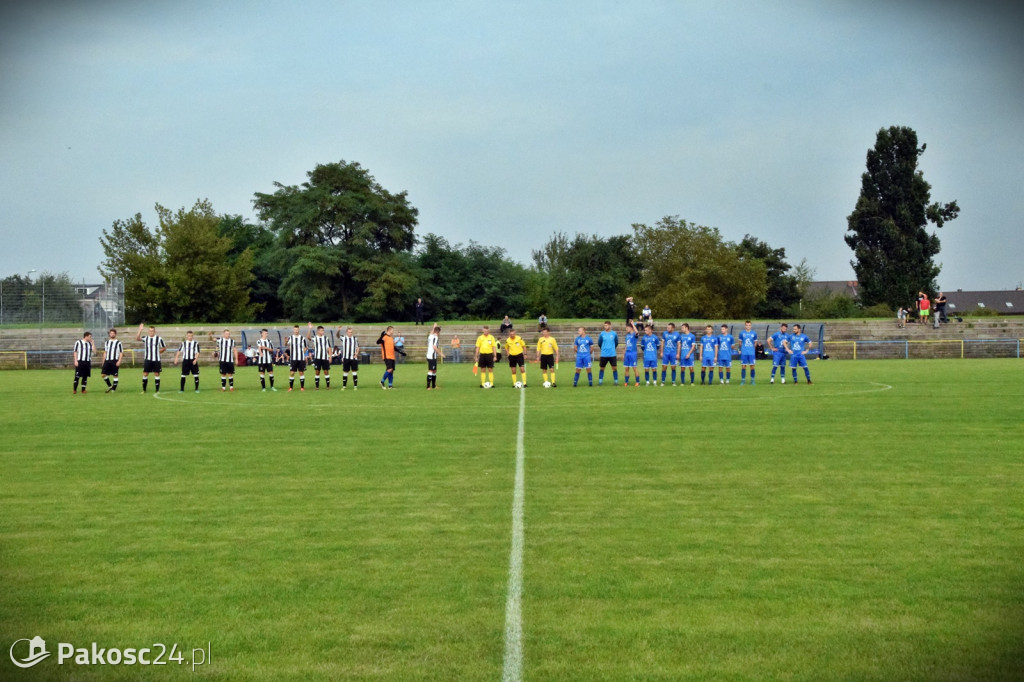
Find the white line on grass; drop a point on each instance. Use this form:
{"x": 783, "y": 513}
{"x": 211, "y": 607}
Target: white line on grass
{"x": 513, "y": 666}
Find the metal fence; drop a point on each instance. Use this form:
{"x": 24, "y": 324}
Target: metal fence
{"x": 50, "y": 300}
{"x": 937, "y": 348}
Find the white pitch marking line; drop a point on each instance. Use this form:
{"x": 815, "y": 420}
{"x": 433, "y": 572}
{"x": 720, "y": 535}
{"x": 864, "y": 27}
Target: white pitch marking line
{"x": 512, "y": 670}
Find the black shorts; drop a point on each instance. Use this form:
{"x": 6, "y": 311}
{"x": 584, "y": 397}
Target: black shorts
{"x": 84, "y": 369}
{"x": 298, "y": 366}
{"x": 265, "y": 367}
{"x": 110, "y": 368}
{"x": 517, "y": 360}
{"x": 614, "y": 362}
{"x": 349, "y": 365}
{"x": 431, "y": 364}
{"x": 389, "y": 364}
{"x": 227, "y": 367}
{"x": 189, "y": 367}
{"x": 547, "y": 361}
{"x": 153, "y": 366}
{"x": 322, "y": 365}
{"x": 486, "y": 361}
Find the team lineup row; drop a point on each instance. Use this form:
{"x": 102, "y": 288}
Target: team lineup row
{"x": 674, "y": 349}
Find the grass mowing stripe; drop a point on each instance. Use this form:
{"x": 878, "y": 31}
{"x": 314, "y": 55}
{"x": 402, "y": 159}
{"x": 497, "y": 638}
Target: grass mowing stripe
{"x": 513, "y": 665}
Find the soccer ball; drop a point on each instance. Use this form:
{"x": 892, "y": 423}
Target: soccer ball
{"x": 519, "y": 384}
{"x": 487, "y": 384}
{"x": 547, "y": 384}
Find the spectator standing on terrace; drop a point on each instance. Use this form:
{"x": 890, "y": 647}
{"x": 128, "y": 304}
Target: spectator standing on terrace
{"x": 940, "y": 309}
{"x": 630, "y": 311}
{"x": 456, "y": 349}
{"x": 419, "y": 311}
{"x": 924, "y": 306}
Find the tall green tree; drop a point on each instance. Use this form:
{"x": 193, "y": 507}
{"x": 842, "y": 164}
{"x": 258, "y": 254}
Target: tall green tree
{"x": 589, "y": 276}
{"x": 268, "y": 262}
{"x": 893, "y": 251}
{"x": 469, "y": 282}
{"x": 133, "y": 251}
{"x": 182, "y": 270}
{"x": 781, "y": 290}
{"x": 691, "y": 271}
{"x": 339, "y": 228}
{"x": 203, "y": 283}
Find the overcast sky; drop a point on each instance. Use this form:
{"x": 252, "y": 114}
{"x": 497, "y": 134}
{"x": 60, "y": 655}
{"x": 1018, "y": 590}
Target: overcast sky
{"x": 508, "y": 122}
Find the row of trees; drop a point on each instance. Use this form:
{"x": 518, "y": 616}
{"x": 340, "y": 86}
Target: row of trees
{"x": 341, "y": 247}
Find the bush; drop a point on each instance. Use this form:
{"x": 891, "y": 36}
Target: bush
{"x": 981, "y": 312}
{"x": 878, "y": 310}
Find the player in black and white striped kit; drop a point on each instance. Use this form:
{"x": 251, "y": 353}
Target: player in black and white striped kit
{"x": 112, "y": 353}
{"x": 297, "y": 358}
{"x": 153, "y": 346}
{"x": 188, "y": 353}
{"x": 321, "y": 346}
{"x": 265, "y": 359}
{"x": 84, "y": 348}
{"x": 226, "y": 353}
{"x": 348, "y": 347}
{"x": 433, "y": 353}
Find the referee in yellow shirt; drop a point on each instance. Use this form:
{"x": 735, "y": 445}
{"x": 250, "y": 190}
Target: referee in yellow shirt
{"x": 515, "y": 346}
{"x": 484, "y": 354}
{"x": 547, "y": 353}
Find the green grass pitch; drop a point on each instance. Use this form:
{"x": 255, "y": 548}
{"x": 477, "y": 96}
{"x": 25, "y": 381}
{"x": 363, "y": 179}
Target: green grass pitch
{"x": 867, "y": 527}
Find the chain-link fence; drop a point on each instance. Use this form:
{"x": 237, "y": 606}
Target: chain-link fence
{"x": 55, "y": 300}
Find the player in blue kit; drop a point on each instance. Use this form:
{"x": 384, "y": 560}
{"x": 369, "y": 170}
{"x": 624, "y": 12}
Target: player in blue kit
{"x": 748, "y": 345}
{"x": 669, "y": 343}
{"x": 708, "y": 355}
{"x": 779, "y": 345}
{"x": 799, "y": 344}
{"x": 584, "y": 346}
{"x": 608, "y": 342}
{"x": 629, "y": 355}
{"x": 725, "y": 344}
{"x": 687, "y": 352}
{"x": 650, "y": 344}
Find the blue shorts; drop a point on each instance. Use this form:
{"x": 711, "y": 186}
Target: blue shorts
{"x": 746, "y": 358}
{"x": 668, "y": 358}
{"x": 582, "y": 362}
{"x": 685, "y": 361}
{"x": 779, "y": 358}
{"x": 650, "y": 363}
{"x": 798, "y": 360}
{"x": 707, "y": 361}
{"x": 629, "y": 360}
{"x": 725, "y": 361}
